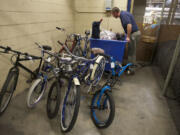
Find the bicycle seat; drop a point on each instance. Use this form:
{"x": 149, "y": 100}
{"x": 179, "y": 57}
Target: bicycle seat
{"x": 46, "y": 47}
{"x": 99, "y": 51}
{"x": 87, "y": 32}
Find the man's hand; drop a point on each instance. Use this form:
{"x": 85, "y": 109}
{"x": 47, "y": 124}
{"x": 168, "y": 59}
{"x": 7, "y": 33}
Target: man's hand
{"x": 127, "y": 39}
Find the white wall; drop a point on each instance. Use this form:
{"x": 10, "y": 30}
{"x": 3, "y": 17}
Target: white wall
{"x": 87, "y": 11}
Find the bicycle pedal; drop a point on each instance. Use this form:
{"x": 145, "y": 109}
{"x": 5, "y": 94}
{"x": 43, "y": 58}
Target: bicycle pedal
{"x": 130, "y": 72}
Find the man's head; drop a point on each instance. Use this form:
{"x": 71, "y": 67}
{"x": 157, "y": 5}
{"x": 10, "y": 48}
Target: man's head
{"x": 116, "y": 12}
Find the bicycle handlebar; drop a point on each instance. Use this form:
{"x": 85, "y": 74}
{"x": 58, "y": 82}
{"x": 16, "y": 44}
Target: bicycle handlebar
{"x": 74, "y": 56}
{"x": 8, "y": 49}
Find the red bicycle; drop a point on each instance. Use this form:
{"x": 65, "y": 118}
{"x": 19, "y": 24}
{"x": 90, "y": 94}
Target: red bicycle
{"x": 76, "y": 47}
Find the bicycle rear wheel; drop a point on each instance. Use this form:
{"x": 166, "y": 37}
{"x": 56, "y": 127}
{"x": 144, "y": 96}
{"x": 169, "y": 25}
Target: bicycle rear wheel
{"x": 70, "y": 107}
{"x": 103, "y": 115}
{"x": 53, "y": 101}
{"x": 36, "y": 92}
{"x": 8, "y": 89}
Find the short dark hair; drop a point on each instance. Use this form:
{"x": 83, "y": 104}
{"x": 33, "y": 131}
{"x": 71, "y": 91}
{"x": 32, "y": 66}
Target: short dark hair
{"x": 115, "y": 10}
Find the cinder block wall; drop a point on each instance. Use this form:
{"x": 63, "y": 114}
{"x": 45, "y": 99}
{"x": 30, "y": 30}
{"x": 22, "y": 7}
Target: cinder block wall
{"x": 87, "y": 11}
{"x": 24, "y": 22}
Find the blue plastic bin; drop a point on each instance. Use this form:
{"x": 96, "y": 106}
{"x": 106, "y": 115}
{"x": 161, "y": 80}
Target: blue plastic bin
{"x": 113, "y": 48}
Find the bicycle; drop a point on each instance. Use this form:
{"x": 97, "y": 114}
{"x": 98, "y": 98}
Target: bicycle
{"x": 53, "y": 100}
{"x": 76, "y": 48}
{"x": 38, "y": 87}
{"x": 102, "y": 100}
{"x": 68, "y": 39}
{"x": 81, "y": 74}
{"x": 10, "y": 83}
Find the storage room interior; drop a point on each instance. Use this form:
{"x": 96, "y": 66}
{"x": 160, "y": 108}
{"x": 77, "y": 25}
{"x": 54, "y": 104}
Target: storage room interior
{"x": 68, "y": 49}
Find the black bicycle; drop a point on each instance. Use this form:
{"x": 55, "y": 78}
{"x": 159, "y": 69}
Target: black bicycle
{"x": 10, "y": 83}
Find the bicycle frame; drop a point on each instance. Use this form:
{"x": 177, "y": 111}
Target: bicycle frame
{"x": 116, "y": 69}
{"x": 19, "y": 59}
{"x": 105, "y": 88}
{"x": 85, "y": 47}
{"x": 84, "y": 51}
{"x": 18, "y": 64}
{"x": 81, "y": 70}
{"x": 71, "y": 49}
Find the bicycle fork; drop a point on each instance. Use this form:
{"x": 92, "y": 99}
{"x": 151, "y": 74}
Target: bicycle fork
{"x": 103, "y": 90}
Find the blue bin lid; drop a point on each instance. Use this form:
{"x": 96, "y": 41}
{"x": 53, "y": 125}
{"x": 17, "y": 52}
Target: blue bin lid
{"x": 117, "y": 41}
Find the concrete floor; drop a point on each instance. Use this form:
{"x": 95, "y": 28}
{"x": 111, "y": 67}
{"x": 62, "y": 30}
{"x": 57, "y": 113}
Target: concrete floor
{"x": 140, "y": 110}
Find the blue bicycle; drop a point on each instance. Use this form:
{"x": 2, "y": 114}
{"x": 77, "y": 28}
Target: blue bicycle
{"x": 102, "y": 104}
{"x": 89, "y": 72}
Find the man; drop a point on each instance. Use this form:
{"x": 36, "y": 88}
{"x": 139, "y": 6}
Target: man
{"x": 131, "y": 29}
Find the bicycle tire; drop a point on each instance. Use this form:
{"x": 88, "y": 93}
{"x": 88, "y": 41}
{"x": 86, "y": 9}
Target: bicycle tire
{"x": 109, "y": 120}
{"x": 38, "y": 82}
{"x": 65, "y": 128}
{"x": 12, "y": 76}
{"x": 53, "y": 113}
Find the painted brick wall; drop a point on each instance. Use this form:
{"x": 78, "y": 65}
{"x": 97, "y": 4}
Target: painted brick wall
{"x": 24, "y": 22}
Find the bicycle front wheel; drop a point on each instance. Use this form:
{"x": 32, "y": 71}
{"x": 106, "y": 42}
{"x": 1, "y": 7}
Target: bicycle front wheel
{"x": 98, "y": 70}
{"x": 8, "y": 89}
{"x": 70, "y": 107}
{"x": 103, "y": 114}
{"x": 53, "y": 101}
{"x": 36, "y": 92}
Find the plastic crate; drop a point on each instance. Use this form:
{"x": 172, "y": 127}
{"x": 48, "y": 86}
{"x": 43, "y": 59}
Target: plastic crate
{"x": 113, "y": 48}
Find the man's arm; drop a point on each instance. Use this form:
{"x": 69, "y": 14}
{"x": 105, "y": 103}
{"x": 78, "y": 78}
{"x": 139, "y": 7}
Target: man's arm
{"x": 129, "y": 30}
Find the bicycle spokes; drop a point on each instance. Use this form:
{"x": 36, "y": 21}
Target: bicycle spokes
{"x": 68, "y": 107}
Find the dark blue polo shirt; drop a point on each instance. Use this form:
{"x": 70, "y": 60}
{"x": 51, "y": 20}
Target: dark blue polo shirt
{"x": 127, "y": 18}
